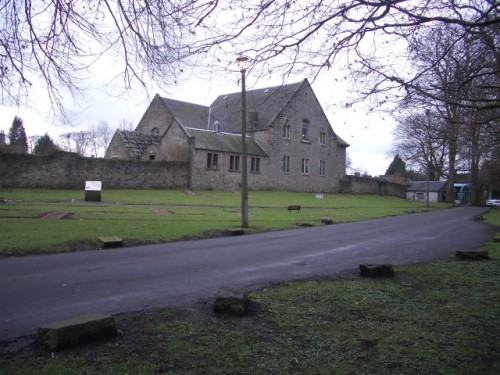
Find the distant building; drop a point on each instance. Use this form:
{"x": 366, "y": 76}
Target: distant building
{"x": 291, "y": 144}
{"x": 417, "y": 191}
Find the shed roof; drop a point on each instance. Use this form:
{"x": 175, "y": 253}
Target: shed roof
{"x": 136, "y": 143}
{"x": 223, "y": 142}
{"x": 422, "y": 186}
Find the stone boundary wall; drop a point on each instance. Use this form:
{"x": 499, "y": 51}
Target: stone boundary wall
{"x": 65, "y": 170}
{"x": 368, "y": 185}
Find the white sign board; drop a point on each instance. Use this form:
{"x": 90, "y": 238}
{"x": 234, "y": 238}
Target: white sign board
{"x": 93, "y": 185}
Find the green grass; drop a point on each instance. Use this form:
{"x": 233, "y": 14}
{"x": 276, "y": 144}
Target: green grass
{"x": 155, "y": 216}
{"x": 436, "y": 318}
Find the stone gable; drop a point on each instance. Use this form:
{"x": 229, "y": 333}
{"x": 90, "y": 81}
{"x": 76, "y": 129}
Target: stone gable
{"x": 291, "y": 144}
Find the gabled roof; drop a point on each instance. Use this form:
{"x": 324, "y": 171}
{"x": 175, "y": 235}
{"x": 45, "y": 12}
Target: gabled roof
{"x": 188, "y": 114}
{"x": 223, "y": 142}
{"x": 422, "y": 186}
{"x": 268, "y": 102}
{"x": 136, "y": 143}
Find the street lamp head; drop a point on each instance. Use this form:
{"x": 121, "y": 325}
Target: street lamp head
{"x": 242, "y": 63}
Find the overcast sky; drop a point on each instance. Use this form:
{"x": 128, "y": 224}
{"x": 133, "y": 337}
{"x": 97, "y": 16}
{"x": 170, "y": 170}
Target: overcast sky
{"x": 370, "y": 135}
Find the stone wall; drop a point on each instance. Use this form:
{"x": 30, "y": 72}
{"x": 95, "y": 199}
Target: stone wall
{"x": 368, "y": 185}
{"x": 70, "y": 171}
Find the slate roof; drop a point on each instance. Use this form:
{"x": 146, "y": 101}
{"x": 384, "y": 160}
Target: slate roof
{"x": 136, "y": 143}
{"x": 422, "y": 186}
{"x": 188, "y": 114}
{"x": 223, "y": 142}
{"x": 268, "y": 102}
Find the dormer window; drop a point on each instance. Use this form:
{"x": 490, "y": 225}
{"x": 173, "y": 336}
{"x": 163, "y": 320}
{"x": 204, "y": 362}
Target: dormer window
{"x": 155, "y": 132}
{"x": 254, "y": 117}
{"x": 216, "y": 126}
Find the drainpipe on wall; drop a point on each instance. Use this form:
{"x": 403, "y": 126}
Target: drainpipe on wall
{"x": 209, "y": 113}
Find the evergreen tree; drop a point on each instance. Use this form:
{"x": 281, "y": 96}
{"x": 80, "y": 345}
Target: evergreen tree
{"x": 17, "y": 136}
{"x": 45, "y": 146}
{"x": 397, "y": 167}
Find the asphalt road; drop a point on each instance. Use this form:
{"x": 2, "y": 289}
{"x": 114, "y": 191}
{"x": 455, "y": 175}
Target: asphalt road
{"x": 36, "y": 290}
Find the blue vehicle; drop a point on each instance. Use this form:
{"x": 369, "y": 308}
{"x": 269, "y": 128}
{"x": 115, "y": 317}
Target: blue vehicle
{"x": 462, "y": 192}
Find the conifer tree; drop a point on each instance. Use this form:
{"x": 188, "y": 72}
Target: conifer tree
{"x": 17, "y": 136}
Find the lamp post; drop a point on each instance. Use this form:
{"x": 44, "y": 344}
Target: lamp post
{"x": 242, "y": 64}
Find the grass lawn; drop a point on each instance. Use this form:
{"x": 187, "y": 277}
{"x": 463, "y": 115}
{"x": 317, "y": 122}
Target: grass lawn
{"x": 436, "y": 318}
{"x": 155, "y": 216}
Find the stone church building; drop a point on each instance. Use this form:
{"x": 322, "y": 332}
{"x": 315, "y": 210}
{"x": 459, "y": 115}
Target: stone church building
{"x": 291, "y": 145}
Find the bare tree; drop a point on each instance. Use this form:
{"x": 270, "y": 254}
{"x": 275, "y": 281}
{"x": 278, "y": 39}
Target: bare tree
{"x": 420, "y": 140}
{"x": 453, "y": 78}
{"x": 126, "y": 125}
{"x": 156, "y": 40}
{"x": 100, "y": 136}
{"x": 77, "y": 142}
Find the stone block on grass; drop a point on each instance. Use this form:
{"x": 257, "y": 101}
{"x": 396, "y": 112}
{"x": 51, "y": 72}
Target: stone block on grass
{"x": 230, "y": 301}
{"x": 376, "y": 270}
{"x": 235, "y": 232}
{"x": 496, "y": 239}
{"x": 76, "y": 331}
{"x": 472, "y": 255}
{"x": 110, "y": 242}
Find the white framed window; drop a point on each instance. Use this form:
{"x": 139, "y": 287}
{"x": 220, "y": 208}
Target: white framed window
{"x": 286, "y": 130}
{"x": 286, "y": 164}
{"x": 322, "y": 137}
{"x": 255, "y": 165}
{"x": 322, "y": 167}
{"x": 305, "y": 166}
{"x": 212, "y": 161}
{"x": 234, "y": 162}
{"x": 305, "y": 130}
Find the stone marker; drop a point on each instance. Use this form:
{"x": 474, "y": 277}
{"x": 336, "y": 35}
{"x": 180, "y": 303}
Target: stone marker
{"x": 235, "y": 232}
{"x": 229, "y": 301}
{"x": 93, "y": 191}
{"x": 376, "y": 270}
{"x": 327, "y": 221}
{"x": 496, "y": 239}
{"x": 76, "y": 331}
{"x": 472, "y": 255}
{"x": 110, "y": 242}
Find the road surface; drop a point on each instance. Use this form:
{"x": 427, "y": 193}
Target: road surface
{"x": 36, "y": 290}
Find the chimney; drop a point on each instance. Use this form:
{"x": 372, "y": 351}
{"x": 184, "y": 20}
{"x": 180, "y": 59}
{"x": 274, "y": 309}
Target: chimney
{"x": 2, "y": 137}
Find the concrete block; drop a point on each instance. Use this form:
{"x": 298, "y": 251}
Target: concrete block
{"x": 235, "y": 232}
{"x": 376, "y": 270}
{"x": 76, "y": 331}
{"x": 229, "y": 301}
{"x": 110, "y": 242}
{"x": 472, "y": 255}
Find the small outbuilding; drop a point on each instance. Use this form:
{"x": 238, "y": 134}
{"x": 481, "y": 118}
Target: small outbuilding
{"x": 417, "y": 191}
